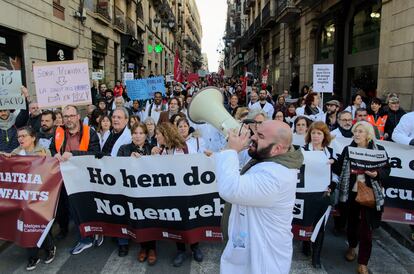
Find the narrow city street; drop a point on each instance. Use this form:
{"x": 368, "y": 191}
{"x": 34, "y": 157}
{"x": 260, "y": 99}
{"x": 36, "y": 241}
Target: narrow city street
{"x": 387, "y": 257}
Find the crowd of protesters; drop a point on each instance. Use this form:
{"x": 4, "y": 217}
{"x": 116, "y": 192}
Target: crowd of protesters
{"x": 114, "y": 125}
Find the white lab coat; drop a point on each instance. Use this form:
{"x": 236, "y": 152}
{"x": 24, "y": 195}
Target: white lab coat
{"x": 404, "y": 131}
{"x": 260, "y": 237}
{"x": 213, "y": 139}
{"x": 194, "y": 146}
{"x": 268, "y": 109}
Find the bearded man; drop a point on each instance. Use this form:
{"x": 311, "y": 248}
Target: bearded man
{"x": 262, "y": 198}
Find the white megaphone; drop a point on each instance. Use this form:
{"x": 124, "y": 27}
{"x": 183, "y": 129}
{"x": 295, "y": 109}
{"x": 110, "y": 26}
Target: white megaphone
{"x": 207, "y": 107}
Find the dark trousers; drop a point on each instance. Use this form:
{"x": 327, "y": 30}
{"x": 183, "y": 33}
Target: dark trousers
{"x": 62, "y": 214}
{"x": 359, "y": 229}
{"x": 181, "y": 246}
{"x": 47, "y": 245}
{"x": 148, "y": 245}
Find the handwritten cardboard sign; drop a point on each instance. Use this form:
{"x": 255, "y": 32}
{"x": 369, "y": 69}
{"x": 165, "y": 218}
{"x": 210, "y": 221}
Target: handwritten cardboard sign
{"x": 128, "y": 76}
{"x": 10, "y": 90}
{"x": 97, "y": 75}
{"x": 323, "y": 75}
{"x": 62, "y": 83}
{"x": 142, "y": 89}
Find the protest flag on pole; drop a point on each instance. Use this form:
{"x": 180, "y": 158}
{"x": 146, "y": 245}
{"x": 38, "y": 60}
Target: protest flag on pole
{"x": 178, "y": 77}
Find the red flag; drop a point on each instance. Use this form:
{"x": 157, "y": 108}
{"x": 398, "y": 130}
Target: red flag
{"x": 28, "y": 208}
{"x": 177, "y": 68}
{"x": 221, "y": 71}
{"x": 265, "y": 75}
{"x": 244, "y": 81}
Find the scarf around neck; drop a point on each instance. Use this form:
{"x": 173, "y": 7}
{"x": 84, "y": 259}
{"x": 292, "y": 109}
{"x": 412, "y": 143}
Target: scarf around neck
{"x": 292, "y": 159}
{"x": 9, "y": 122}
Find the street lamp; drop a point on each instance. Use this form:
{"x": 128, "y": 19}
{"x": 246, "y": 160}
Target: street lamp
{"x": 156, "y": 21}
{"x": 171, "y": 24}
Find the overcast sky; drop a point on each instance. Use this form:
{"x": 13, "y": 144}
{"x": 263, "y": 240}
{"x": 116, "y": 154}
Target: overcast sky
{"x": 213, "y": 20}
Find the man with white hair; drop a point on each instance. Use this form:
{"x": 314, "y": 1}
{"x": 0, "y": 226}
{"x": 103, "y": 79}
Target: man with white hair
{"x": 120, "y": 135}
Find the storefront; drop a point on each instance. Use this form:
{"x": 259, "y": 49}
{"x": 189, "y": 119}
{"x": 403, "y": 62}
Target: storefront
{"x": 99, "y": 51}
{"x": 11, "y": 51}
{"x": 132, "y": 52}
{"x": 352, "y": 45}
{"x": 58, "y": 52}
{"x": 362, "y": 53}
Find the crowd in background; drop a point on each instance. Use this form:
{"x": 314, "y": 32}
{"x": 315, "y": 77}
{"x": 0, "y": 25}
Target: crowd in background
{"x": 115, "y": 125}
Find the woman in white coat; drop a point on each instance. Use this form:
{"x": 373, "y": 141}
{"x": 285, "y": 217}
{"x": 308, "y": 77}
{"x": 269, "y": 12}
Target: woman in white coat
{"x": 194, "y": 141}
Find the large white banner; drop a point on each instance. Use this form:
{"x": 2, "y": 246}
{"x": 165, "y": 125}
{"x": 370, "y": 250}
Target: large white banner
{"x": 399, "y": 186}
{"x": 148, "y": 198}
{"x": 147, "y": 176}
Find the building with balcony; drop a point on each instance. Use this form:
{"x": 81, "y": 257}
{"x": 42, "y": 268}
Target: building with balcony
{"x": 191, "y": 35}
{"x": 115, "y": 36}
{"x": 369, "y": 42}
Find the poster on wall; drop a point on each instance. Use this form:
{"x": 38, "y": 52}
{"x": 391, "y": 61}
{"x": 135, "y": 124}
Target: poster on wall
{"x": 62, "y": 83}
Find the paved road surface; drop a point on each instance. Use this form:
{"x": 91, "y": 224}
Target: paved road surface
{"x": 388, "y": 257}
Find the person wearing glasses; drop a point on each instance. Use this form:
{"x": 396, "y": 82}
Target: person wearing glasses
{"x": 29, "y": 146}
{"x": 344, "y": 129}
{"x": 361, "y": 114}
{"x": 73, "y": 139}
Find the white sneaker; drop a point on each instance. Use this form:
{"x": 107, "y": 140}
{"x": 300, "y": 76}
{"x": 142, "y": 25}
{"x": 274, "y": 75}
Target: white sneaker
{"x": 80, "y": 247}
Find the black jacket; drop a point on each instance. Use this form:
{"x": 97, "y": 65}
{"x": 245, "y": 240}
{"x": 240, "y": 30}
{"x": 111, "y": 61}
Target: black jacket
{"x": 34, "y": 122}
{"x": 392, "y": 121}
{"x": 8, "y": 138}
{"x": 126, "y": 150}
{"x": 93, "y": 148}
{"x": 373, "y": 216}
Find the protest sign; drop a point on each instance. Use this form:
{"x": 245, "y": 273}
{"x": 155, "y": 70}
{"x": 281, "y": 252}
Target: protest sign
{"x": 29, "y": 192}
{"x": 128, "y": 76}
{"x": 142, "y": 89}
{"x": 202, "y": 73}
{"x": 176, "y": 198}
{"x": 366, "y": 159}
{"x": 313, "y": 180}
{"x": 399, "y": 186}
{"x": 192, "y": 77}
{"x": 62, "y": 83}
{"x": 169, "y": 78}
{"x": 323, "y": 78}
{"x": 97, "y": 75}
{"x": 10, "y": 90}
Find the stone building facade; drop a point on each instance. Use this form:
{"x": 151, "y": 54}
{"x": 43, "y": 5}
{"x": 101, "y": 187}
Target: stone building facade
{"x": 368, "y": 41}
{"x": 115, "y": 36}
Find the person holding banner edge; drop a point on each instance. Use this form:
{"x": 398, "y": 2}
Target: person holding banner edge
{"x": 361, "y": 219}
{"x": 73, "y": 139}
{"x": 170, "y": 143}
{"x": 137, "y": 148}
{"x": 29, "y": 146}
{"x": 318, "y": 138}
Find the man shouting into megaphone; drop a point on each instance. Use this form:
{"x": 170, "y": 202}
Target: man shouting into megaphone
{"x": 262, "y": 197}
